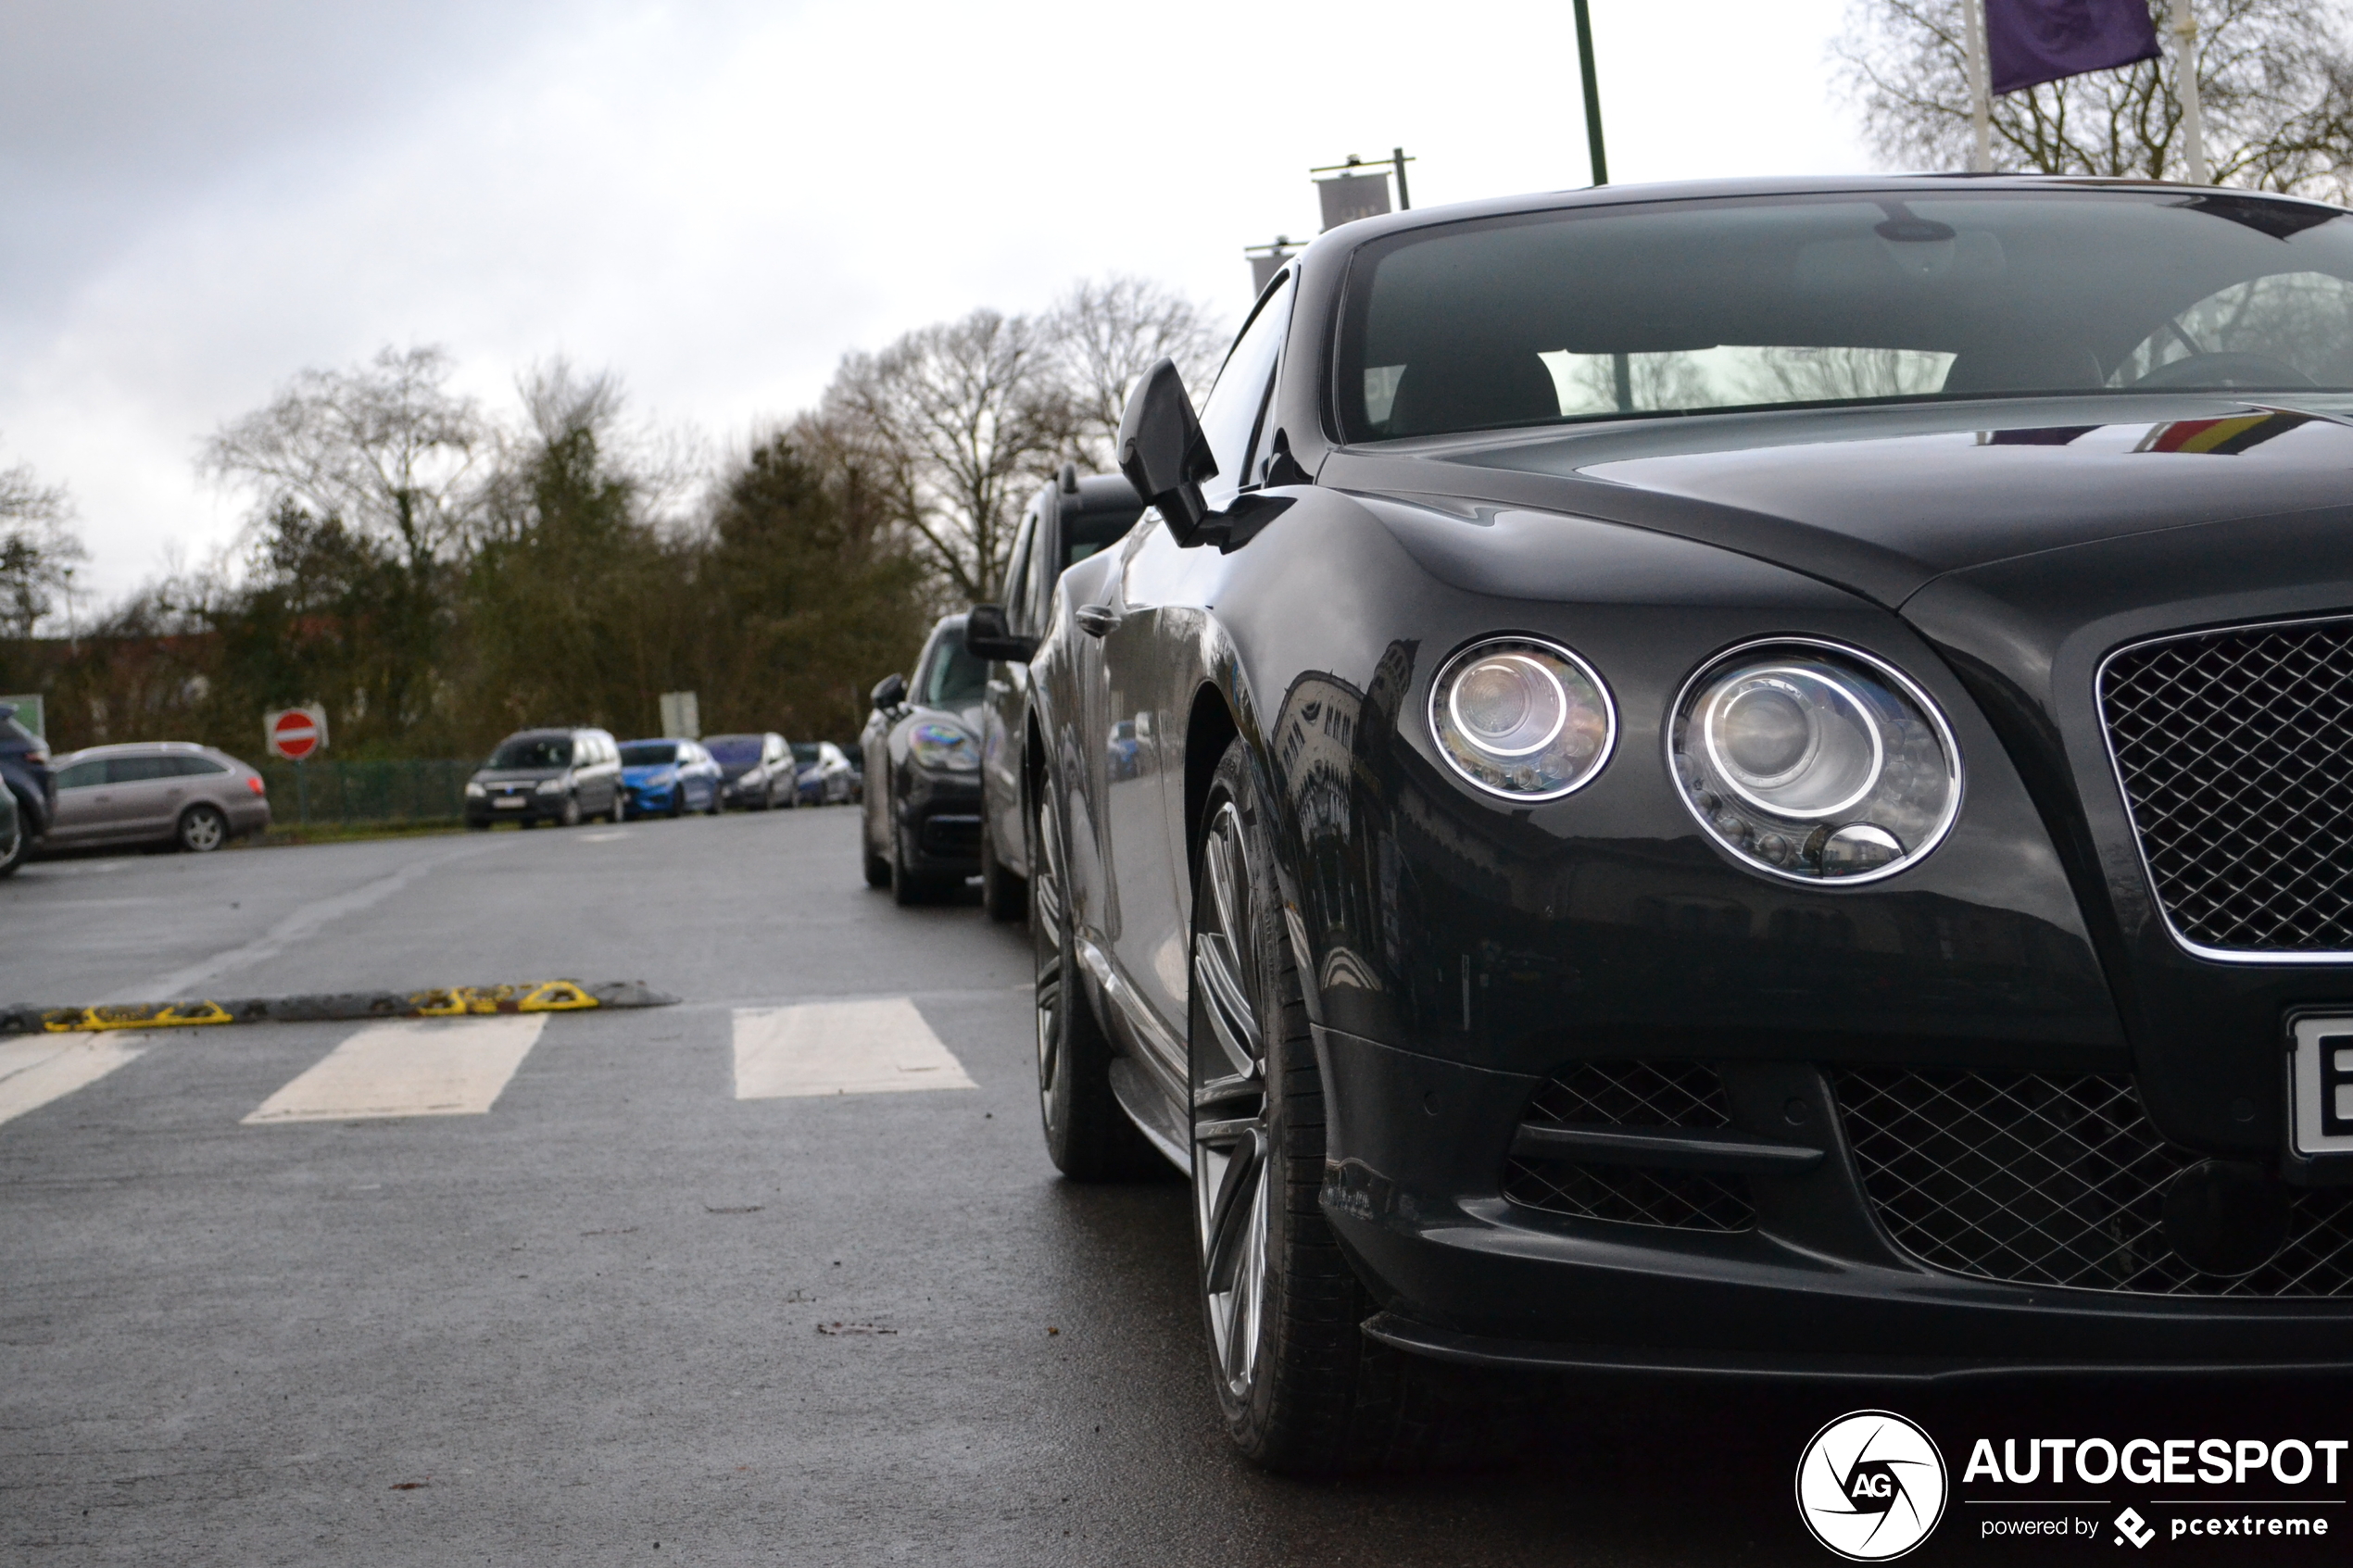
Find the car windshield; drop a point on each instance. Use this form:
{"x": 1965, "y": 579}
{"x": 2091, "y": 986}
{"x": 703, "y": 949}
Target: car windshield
{"x": 648, "y": 753}
{"x": 531, "y": 751}
{"x": 950, "y": 677}
{"x": 805, "y": 752}
{"x": 1677, "y": 307}
{"x": 734, "y": 751}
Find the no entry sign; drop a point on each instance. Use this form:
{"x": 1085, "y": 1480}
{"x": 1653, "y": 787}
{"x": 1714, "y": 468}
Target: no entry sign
{"x": 295, "y": 732}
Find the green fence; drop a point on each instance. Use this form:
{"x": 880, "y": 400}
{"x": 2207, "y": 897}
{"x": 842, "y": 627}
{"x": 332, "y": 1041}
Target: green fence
{"x": 365, "y": 792}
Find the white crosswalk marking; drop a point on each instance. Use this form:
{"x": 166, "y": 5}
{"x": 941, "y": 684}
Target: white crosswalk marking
{"x": 840, "y": 1048}
{"x": 45, "y": 1067}
{"x": 413, "y": 1067}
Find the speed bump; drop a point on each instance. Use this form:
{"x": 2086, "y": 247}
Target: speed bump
{"x": 447, "y": 1001}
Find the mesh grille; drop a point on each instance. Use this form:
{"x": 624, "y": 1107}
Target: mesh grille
{"x": 2236, "y": 755}
{"x": 1630, "y": 1093}
{"x": 2054, "y": 1179}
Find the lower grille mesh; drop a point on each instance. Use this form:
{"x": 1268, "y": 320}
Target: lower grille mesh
{"x": 1630, "y": 1093}
{"x": 2054, "y": 1179}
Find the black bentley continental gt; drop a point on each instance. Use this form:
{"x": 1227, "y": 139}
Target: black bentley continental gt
{"x": 1733, "y": 776}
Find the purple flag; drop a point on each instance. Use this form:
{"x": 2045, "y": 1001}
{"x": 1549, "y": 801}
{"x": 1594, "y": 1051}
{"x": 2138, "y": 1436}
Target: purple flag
{"x": 2032, "y": 42}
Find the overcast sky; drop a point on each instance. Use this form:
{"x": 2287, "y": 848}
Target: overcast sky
{"x": 717, "y": 199}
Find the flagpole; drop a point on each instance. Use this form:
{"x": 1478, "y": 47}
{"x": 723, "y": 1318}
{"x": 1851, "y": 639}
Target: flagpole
{"x": 2185, "y": 89}
{"x": 1593, "y": 96}
{"x": 1981, "y": 97}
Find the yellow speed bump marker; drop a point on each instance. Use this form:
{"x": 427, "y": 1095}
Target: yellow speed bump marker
{"x": 135, "y": 1015}
{"x": 545, "y": 996}
{"x": 448, "y": 1002}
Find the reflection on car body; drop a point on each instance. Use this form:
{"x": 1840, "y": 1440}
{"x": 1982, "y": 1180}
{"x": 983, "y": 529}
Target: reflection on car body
{"x": 1753, "y": 760}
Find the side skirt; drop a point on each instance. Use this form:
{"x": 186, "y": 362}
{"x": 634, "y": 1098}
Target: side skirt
{"x": 1150, "y": 1109}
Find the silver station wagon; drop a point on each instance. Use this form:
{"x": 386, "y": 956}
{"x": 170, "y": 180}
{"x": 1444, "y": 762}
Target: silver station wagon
{"x": 156, "y": 792}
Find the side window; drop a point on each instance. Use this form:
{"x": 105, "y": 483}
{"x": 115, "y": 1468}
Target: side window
{"x": 194, "y": 766}
{"x": 137, "y": 769}
{"x": 1230, "y": 416}
{"x": 1017, "y": 572}
{"x": 82, "y": 775}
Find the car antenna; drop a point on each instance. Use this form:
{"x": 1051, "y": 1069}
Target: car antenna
{"x": 1069, "y": 478}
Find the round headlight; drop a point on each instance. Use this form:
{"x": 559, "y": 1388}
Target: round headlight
{"x": 1814, "y": 762}
{"x": 1522, "y": 718}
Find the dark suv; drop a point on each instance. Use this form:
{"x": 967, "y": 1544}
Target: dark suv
{"x": 24, "y": 767}
{"x": 1067, "y": 521}
{"x": 557, "y": 776}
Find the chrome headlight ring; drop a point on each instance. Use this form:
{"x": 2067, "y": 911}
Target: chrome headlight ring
{"x": 1522, "y": 718}
{"x": 1814, "y": 762}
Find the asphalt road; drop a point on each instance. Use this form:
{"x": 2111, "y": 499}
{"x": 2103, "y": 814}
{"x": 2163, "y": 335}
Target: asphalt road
{"x": 624, "y": 1315}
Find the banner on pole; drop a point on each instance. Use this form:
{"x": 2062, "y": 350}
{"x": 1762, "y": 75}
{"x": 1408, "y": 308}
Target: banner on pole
{"x": 1347, "y": 197}
{"x": 2032, "y": 42}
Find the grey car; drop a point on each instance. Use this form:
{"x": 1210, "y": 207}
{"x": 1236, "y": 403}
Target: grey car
{"x": 551, "y": 775}
{"x": 154, "y": 792}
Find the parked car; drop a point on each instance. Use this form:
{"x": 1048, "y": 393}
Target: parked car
{"x": 557, "y": 775}
{"x": 154, "y": 792}
{"x": 1067, "y": 521}
{"x": 757, "y": 772}
{"x": 1761, "y": 766}
{"x": 669, "y": 778}
{"x": 828, "y": 777}
{"x": 25, "y": 769}
{"x": 13, "y": 838}
{"x": 921, "y": 816}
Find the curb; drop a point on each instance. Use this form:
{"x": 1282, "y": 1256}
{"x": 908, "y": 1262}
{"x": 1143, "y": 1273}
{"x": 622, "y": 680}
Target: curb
{"x": 450, "y": 1001}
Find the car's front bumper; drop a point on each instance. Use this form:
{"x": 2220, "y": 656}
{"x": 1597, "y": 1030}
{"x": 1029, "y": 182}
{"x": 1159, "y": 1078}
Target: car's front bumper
{"x": 1413, "y": 1188}
{"x": 536, "y": 809}
{"x": 938, "y": 822}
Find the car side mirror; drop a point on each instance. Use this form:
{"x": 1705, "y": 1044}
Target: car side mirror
{"x": 890, "y": 691}
{"x": 1163, "y": 452}
{"x": 989, "y": 635}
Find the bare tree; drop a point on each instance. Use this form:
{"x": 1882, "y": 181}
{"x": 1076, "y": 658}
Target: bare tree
{"x": 2275, "y": 76}
{"x": 38, "y": 548}
{"x": 953, "y": 422}
{"x": 1101, "y": 336}
{"x": 385, "y": 446}
{"x": 388, "y": 450}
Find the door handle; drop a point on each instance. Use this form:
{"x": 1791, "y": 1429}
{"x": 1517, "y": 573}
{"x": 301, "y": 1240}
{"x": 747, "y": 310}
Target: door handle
{"x": 1097, "y": 619}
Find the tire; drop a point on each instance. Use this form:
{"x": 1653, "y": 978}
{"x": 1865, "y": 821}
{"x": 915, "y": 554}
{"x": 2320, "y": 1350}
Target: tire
{"x": 13, "y": 855}
{"x": 713, "y": 807}
{"x": 677, "y": 801}
{"x": 571, "y": 816}
{"x": 878, "y": 869}
{"x": 1302, "y": 1388}
{"x": 201, "y": 830}
{"x": 1003, "y": 896}
{"x": 1087, "y": 1136}
{"x": 620, "y": 812}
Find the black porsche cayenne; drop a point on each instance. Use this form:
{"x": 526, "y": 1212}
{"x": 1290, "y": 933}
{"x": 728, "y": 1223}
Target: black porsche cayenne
{"x": 1747, "y": 776}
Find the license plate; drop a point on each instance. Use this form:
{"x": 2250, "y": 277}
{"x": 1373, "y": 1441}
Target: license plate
{"x": 2321, "y": 1080}
{"x": 503, "y": 801}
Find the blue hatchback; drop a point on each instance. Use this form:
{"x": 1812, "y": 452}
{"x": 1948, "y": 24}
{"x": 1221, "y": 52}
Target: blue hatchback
{"x": 669, "y": 777}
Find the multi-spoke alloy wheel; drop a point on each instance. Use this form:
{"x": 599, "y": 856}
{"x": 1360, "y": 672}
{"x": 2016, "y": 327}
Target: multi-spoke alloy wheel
{"x": 1087, "y": 1136}
{"x": 1231, "y": 1185}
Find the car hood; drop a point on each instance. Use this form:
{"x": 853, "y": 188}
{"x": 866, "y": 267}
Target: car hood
{"x": 650, "y": 772}
{"x": 1886, "y": 500}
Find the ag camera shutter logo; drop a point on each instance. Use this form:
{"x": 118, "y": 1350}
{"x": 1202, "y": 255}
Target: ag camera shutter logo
{"x": 1870, "y": 1486}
